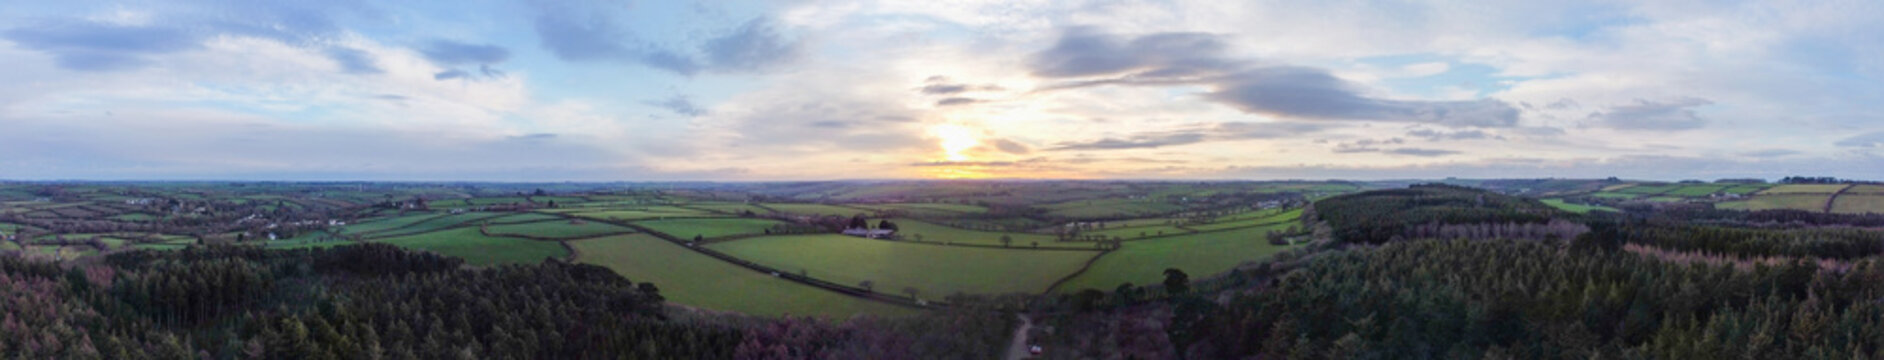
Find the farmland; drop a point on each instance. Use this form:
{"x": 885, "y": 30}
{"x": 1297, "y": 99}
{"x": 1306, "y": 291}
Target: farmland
{"x": 557, "y": 229}
{"x": 689, "y": 278}
{"x": 1791, "y": 200}
{"x": 477, "y": 249}
{"x": 1143, "y": 262}
{"x": 709, "y": 228}
{"x": 934, "y": 270}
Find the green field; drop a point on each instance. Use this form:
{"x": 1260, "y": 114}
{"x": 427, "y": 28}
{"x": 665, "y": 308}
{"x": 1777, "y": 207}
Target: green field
{"x": 1858, "y": 204}
{"x": 469, "y": 219}
{"x": 931, "y": 208}
{"x": 558, "y": 229}
{"x": 936, "y": 233}
{"x": 1577, "y": 208}
{"x": 709, "y": 228}
{"x": 693, "y": 279}
{"x": 657, "y": 212}
{"x": 816, "y": 209}
{"x": 1648, "y": 189}
{"x": 1696, "y": 190}
{"x": 383, "y": 224}
{"x": 477, "y": 249}
{"x": 1111, "y": 207}
{"x": 1745, "y": 189}
{"x": 934, "y": 270}
{"x": 1611, "y": 195}
{"x": 1804, "y": 189}
{"x": 1199, "y": 255}
{"x": 1768, "y": 202}
{"x": 731, "y": 209}
{"x": 1136, "y": 231}
{"x": 1286, "y": 216}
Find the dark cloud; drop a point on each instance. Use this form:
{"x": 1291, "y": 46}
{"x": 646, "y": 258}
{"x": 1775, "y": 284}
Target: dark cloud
{"x": 756, "y": 45}
{"x": 1300, "y": 92}
{"x": 1011, "y": 147}
{"x": 943, "y": 89}
{"x": 1087, "y": 57}
{"x": 354, "y": 61}
{"x": 940, "y": 85}
{"x": 595, "y": 31}
{"x": 1668, "y": 115}
{"x": 956, "y": 101}
{"x": 1366, "y": 145}
{"x": 89, "y": 46}
{"x": 534, "y": 137}
{"x": 453, "y": 53}
{"x": 1867, "y": 140}
{"x": 1215, "y": 132}
{"x": 1086, "y": 51}
{"x": 1629, "y": 167}
{"x": 1135, "y": 142}
{"x": 1768, "y": 153}
{"x": 679, "y": 104}
{"x": 449, "y": 74}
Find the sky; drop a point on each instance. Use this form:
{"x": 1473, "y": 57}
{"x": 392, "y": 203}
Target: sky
{"x": 583, "y": 90}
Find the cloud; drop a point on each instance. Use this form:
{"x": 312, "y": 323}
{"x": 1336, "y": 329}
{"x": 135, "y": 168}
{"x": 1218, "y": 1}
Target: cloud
{"x": 756, "y": 45}
{"x": 943, "y": 89}
{"x": 1677, "y": 114}
{"x": 354, "y": 61}
{"x": 1873, "y": 139}
{"x": 679, "y": 104}
{"x": 590, "y": 31}
{"x": 1421, "y": 152}
{"x": 451, "y": 74}
{"x": 1011, "y": 147}
{"x": 91, "y": 46}
{"x": 956, "y": 101}
{"x": 1441, "y": 135}
{"x": 1308, "y": 93}
{"x": 1375, "y": 146}
{"x": 1135, "y": 142}
{"x": 1086, "y": 51}
{"x": 1768, "y": 153}
{"x": 1087, "y": 57}
{"x": 453, "y": 53}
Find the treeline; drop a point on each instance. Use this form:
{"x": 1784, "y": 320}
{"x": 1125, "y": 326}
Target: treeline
{"x": 1842, "y": 243}
{"x": 1533, "y": 300}
{"x": 377, "y": 301}
{"x": 1380, "y": 216}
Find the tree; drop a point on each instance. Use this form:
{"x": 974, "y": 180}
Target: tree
{"x": 858, "y": 222}
{"x": 918, "y": 237}
{"x": 886, "y": 225}
{"x": 1176, "y": 281}
{"x": 1006, "y": 240}
{"x": 698, "y": 238}
{"x": 911, "y": 291}
{"x": 868, "y": 285}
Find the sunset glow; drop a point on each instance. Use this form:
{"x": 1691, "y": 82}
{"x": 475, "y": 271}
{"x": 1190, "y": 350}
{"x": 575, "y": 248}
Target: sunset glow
{"x": 955, "y": 140}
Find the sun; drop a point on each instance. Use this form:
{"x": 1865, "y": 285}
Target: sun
{"x": 956, "y": 140}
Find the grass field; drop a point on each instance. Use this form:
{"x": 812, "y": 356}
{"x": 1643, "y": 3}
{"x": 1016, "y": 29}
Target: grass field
{"x": 709, "y": 228}
{"x": 1577, "y": 208}
{"x": 940, "y": 207}
{"x": 1767, "y": 202}
{"x": 1134, "y": 232}
{"x": 1112, "y": 207}
{"x": 1696, "y": 190}
{"x": 937, "y": 233}
{"x": 1745, "y": 189}
{"x": 1866, "y": 189}
{"x": 1270, "y": 218}
{"x": 558, "y": 229}
{"x": 477, "y": 249}
{"x": 816, "y": 209}
{"x": 470, "y": 219}
{"x": 1804, "y": 189}
{"x": 1858, "y": 204}
{"x": 1199, "y": 255}
{"x": 385, "y": 223}
{"x": 733, "y": 209}
{"x": 1611, "y": 195}
{"x": 935, "y": 271}
{"x": 643, "y": 214}
{"x": 692, "y": 279}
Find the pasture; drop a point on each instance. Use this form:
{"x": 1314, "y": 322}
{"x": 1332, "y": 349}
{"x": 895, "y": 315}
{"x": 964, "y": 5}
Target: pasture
{"x": 1762, "y": 201}
{"x": 817, "y": 209}
{"x": 709, "y": 228}
{"x": 1858, "y": 204}
{"x": 1199, "y": 255}
{"x": 936, "y": 233}
{"x": 557, "y": 229}
{"x": 934, "y": 270}
{"x": 1111, "y": 208}
{"x": 477, "y": 249}
{"x": 692, "y": 279}
{"x": 1696, "y": 190}
{"x": 1804, "y": 189}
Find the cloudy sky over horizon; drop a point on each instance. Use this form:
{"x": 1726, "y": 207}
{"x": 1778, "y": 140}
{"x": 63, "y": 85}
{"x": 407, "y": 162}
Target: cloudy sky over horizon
{"x": 520, "y": 90}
